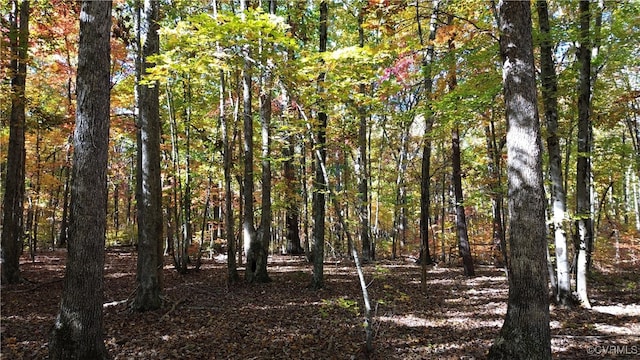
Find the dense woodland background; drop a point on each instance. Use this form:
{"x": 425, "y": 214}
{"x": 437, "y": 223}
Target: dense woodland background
{"x": 384, "y": 121}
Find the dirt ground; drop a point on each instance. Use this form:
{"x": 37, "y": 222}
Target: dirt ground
{"x": 203, "y": 318}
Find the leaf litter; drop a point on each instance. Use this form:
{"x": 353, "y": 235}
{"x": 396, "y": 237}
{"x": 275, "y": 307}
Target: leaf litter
{"x": 204, "y": 318}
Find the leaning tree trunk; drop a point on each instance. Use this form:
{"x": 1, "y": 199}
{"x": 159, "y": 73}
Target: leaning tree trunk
{"x": 558, "y": 197}
{"x": 77, "y": 332}
{"x": 584, "y": 222}
{"x": 149, "y": 189}
{"x": 525, "y": 333}
{"x": 320, "y": 184}
{"x": 13, "y": 202}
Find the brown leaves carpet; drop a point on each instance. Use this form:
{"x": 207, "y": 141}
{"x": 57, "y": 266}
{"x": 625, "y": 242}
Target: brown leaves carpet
{"x": 203, "y": 318}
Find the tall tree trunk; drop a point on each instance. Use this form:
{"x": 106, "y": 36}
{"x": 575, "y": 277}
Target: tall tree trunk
{"x": 361, "y": 166}
{"x": 13, "y": 202}
{"x": 461, "y": 220}
{"x": 248, "y": 228}
{"x": 227, "y": 160}
{"x": 584, "y": 222}
{"x": 256, "y": 268}
{"x": 320, "y": 184}
{"x": 187, "y": 227}
{"x": 149, "y": 188}
{"x": 525, "y": 333}
{"x": 425, "y": 171}
{"x": 33, "y": 230}
{"x": 77, "y": 332}
{"x": 227, "y": 148}
{"x": 558, "y": 197}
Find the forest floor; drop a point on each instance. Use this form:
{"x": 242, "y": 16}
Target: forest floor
{"x": 203, "y": 318}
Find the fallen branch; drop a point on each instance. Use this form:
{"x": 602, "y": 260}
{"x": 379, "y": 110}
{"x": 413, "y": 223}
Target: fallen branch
{"x": 114, "y": 303}
{"x": 173, "y": 307}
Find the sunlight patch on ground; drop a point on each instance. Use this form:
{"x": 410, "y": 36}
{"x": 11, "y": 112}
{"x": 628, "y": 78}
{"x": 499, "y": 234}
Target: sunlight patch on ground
{"x": 486, "y": 292}
{"x": 630, "y": 329}
{"x": 117, "y": 275}
{"x": 413, "y": 321}
{"x": 619, "y": 310}
{"x": 409, "y": 320}
{"x": 483, "y": 280}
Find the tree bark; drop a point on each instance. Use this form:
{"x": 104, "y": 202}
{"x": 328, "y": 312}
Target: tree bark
{"x": 525, "y": 333}
{"x": 77, "y": 332}
{"x": 425, "y": 169}
{"x": 64, "y": 222}
{"x": 248, "y": 228}
{"x": 558, "y": 197}
{"x": 456, "y": 167}
{"x": 13, "y": 202}
{"x": 461, "y": 220}
{"x": 497, "y": 201}
{"x": 320, "y": 184}
{"x": 361, "y": 165}
{"x": 584, "y": 222}
{"x": 259, "y": 250}
{"x": 149, "y": 189}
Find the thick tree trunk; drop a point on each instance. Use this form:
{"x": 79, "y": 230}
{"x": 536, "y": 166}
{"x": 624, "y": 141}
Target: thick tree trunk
{"x": 77, "y": 332}
{"x": 149, "y": 189}
{"x": 13, "y": 202}
{"x": 320, "y": 184}
{"x": 558, "y": 197}
{"x": 584, "y": 222}
{"x": 525, "y": 333}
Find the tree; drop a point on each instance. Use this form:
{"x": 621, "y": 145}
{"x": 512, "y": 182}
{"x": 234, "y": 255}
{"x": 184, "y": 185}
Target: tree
{"x": 361, "y": 165}
{"x": 77, "y": 332}
{"x": 255, "y": 251}
{"x": 558, "y": 197}
{"x": 13, "y": 202}
{"x": 584, "y": 221}
{"x": 149, "y": 189}
{"x": 425, "y": 176}
{"x": 461, "y": 220}
{"x": 258, "y": 246}
{"x": 525, "y": 333}
{"x": 320, "y": 184}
